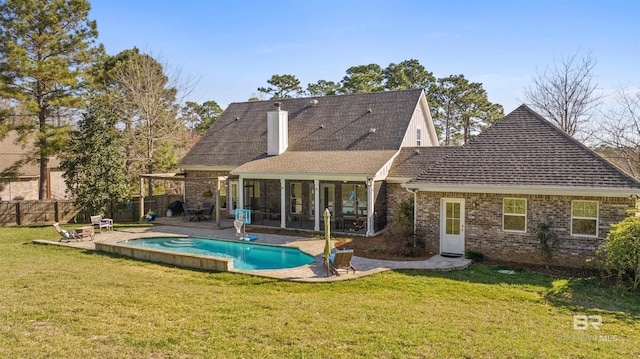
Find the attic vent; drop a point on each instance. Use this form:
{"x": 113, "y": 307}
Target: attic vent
{"x": 372, "y": 130}
{"x": 417, "y": 151}
{"x": 313, "y": 102}
{"x": 321, "y": 126}
{"x": 237, "y": 118}
{"x": 369, "y": 110}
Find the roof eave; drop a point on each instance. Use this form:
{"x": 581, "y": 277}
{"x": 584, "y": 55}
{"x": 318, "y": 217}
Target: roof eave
{"x": 532, "y": 190}
{"x": 306, "y": 176}
{"x": 208, "y": 168}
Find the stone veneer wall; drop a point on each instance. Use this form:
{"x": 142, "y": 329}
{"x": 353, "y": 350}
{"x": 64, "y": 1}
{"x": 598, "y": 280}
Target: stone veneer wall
{"x": 483, "y": 226}
{"x": 195, "y": 190}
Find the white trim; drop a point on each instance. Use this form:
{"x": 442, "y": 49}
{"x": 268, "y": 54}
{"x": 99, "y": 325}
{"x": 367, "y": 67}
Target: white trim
{"x": 443, "y": 216}
{"x": 533, "y": 190}
{"x": 597, "y": 219}
{"x": 525, "y": 215}
{"x": 316, "y": 204}
{"x": 307, "y": 176}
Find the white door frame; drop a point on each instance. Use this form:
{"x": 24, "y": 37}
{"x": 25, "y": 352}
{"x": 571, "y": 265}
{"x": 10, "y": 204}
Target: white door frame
{"x": 455, "y": 243}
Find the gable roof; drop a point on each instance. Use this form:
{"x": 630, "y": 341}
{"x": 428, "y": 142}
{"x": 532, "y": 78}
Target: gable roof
{"x": 334, "y": 123}
{"x": 523, "y": 150}
{"x": 412, "y": 161}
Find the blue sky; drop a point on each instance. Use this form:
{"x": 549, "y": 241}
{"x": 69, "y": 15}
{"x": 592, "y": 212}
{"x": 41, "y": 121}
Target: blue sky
{"x": 233, "y": 47}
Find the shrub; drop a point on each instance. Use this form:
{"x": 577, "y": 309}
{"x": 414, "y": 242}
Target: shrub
{"x": 474, "y": 255}
{"x": 548, "y": 240}
{"x": 619, "y": 254}
{"x": 400, "y": 233}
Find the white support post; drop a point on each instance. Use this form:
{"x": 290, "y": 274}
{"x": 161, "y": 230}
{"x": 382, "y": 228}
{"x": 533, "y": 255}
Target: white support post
{"x": 316, "y": 201}
{"x": 370, "y": 206}
{"x": 283, "y": 204}
{"x": 142, "y": 214}
{"x": 240, "y": 193}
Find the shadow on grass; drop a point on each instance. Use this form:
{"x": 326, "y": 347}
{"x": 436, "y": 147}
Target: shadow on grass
{"x": 574, "y": 294}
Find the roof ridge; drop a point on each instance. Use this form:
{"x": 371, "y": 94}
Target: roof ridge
{"x": 331, "y": 96}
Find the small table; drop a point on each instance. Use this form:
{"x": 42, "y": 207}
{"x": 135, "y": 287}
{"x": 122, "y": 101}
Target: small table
{"x": 85, "y": 232}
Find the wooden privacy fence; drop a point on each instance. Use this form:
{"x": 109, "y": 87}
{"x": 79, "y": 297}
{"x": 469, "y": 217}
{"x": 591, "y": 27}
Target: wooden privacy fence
{"x": 31, "y": 213}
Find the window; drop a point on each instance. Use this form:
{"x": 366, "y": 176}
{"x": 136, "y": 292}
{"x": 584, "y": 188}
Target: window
{"x": 584, "y": 218}
{"x": 418, "y": 136}
{"x": 514, "y": 215}
{"x": 354, "y": 199}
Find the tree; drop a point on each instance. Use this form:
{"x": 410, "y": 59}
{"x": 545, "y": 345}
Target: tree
{"x": 147, "y": 96}
{"x": 566, "y": 93}
{"x": 619, "y": 132}
{"x": 619, "y": 254}
{"x": 408, "y": 74}
{"x": 284, "y": 87}
{"x": 199, "y": 118}
{"x": 323, "y": 88}
{"x": 363, "y": 78}
{"x": 46, "y": 47}
{"x": 94, "y": 167}
{"x": 463, "y": 109}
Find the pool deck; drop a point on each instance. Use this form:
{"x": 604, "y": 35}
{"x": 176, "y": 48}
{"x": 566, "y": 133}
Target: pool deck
{"x": 314, "y": 272}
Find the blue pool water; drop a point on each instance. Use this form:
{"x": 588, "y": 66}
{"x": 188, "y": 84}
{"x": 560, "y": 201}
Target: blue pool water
{"x": 245, "y": 255}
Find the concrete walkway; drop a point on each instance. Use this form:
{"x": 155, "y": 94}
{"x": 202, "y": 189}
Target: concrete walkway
{"x": 314, "y": 272}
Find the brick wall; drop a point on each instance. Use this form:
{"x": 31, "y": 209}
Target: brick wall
{"x": 195, "y": 190}
{"x": 483, "y": 226}
{"x": 395, "y": 194}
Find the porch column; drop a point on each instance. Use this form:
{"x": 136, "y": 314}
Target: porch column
{"x": 142, "y": 214}
{"x": 283, "y": 204}
{"x": 240, "y": 193}
{"x": 316, "y": 205}
{"x": 370, "y": 206}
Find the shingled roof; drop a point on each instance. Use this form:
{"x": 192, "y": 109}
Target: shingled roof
{"x": 328, "y": 123}
{"x": 412, "y": 161}
{"x": 524, "y": 150}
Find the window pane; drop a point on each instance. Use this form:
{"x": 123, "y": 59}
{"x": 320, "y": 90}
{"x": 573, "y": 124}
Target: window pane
{"x": 585, "y": 209}
{"x": 584, "y": 226}
{"x": 514, "y": 223}
{"x": 515, "y": 206}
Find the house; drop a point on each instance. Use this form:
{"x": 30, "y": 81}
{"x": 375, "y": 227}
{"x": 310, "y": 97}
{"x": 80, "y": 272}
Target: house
{"x": 19, "y": 180}
{"x": 288, "y": 160}
{"x": 490, "y": 194}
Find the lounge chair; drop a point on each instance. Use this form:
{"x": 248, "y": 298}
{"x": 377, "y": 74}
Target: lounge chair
{"x": 98, "y": 221}
{"x": 66, "y": 236}
{"x": 341, "y": 259}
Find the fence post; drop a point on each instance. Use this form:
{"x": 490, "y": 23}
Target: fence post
{"x": 18, "y": 213}
{"x": 56, "y": 212}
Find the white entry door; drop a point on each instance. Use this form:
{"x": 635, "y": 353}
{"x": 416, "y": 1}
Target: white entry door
{"x": 452, "y": 226}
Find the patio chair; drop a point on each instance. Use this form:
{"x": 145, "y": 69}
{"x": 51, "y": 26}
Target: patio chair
{"x": 341, "y": 259}
{"x": 207, "y": 210}
{"x": 360, "y": 223}
{"x": 66, "y": 236}
{"x": 191, "y": 212}
{"x": 99, "y": 222}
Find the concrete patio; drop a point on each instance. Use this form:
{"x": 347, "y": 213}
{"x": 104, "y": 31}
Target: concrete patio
{"x": 314, "y": 272}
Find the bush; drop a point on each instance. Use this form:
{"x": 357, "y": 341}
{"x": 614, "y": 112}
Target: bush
{"x": 548, "y": 240}
{"x": 400, "y": 233}
{"x": 619, "y": 254}
{"x": 474, "y": 255}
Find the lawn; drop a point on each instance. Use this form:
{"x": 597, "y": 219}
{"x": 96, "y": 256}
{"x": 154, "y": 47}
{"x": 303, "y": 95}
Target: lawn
{"x": 67, "y": 303}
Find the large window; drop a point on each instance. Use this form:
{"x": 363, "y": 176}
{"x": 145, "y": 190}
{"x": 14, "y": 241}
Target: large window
{"x": 514, "y": 215}
{"x": 584, "y": 218}
{"x": 418, "y": 136}
{"x": 354, "y": 199}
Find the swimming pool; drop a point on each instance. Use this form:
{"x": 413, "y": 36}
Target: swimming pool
{"x": 246, "y": 256}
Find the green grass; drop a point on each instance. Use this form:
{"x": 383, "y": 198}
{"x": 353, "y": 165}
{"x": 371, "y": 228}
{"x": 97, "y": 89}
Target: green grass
{"x": 69, "y": 303}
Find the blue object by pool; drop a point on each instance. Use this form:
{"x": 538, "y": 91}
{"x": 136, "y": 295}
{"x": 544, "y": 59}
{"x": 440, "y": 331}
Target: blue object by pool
{"x": 246, "y": 256}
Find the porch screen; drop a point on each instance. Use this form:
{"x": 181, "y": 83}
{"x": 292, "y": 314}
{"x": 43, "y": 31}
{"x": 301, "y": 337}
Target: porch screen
{"x": 354, "y": 199}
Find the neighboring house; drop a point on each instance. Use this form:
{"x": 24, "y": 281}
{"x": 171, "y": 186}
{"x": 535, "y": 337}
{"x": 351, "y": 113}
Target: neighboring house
{"x": 490, "y": 194}
{"x": 288, "y": 160}
{"x": 18, "y": 180}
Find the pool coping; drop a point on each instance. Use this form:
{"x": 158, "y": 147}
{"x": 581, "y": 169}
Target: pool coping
{"x": 314, "y": 272}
